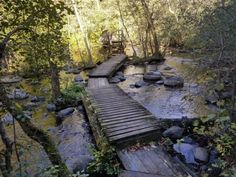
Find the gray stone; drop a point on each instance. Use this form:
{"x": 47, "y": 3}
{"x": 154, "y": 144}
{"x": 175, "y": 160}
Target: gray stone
{"x": 37, "y": 99}
{"x": 1, "y": 104}
{"x": 74, "y": 142}
{"x": 187, "y": 150}
{"x": 119, "y": 73}
{"x": 201, "y": 154}
{"x": 152, "y": 76}
{"x": 29, "y": 106}
{"x": 174, "y": 132}
{"x": 139, "y": 84}
{"x": 7, "y": 119}
{"x": 160, "y": 82}
{"x": 122, "y": 78}
{"x": 18, "y": 94}
{"x": 226, "y": 95}
{"x": 78, "y": 78}
{"x": 167, "y": 68}
{"x": 65, "y": 112}
{"x": 174, "y": 81}
{"x": 51, "y": 107}
{"x": 114, "y": 80}
{"x": 212, "y": 98}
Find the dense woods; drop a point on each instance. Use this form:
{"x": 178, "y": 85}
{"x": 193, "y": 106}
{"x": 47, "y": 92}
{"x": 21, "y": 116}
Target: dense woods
{"x": 41, "y": 38}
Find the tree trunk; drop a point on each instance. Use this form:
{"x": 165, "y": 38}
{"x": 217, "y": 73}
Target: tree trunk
{"x": 152, "y": 30}
{"x": 84, "y": 33}
{"x": 5, "y": 162}
{"x": 35, "y": 133}
{"x": 55, "y": 82}
{"x": 126, "y": 29}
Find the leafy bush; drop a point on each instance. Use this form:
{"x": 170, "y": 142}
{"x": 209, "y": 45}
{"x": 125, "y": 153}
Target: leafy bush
{"x": 104, "y": 162}
{"x": 72, "y": 92}
{"x": 222, "y": 136}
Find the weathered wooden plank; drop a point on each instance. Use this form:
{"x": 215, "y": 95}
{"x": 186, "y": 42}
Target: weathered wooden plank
{"x": 130, "y": 115}
{"x": 133, "y": 133}
{"x": 127, "y": 126}
{"x": 129, "y": 119}
{"x": 112, "y": 133}
{"x": 106, "y": 111}
{"x": 137, "y": 174}
{"x": 122, "y": 113}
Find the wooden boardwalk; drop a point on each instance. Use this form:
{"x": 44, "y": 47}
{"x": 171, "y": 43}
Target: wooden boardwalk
{"x": 122, "y": 118}
{"x": 108, "y": 68}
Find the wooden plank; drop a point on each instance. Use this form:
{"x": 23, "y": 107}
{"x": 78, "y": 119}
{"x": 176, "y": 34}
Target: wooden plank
{"x": 122, "y": 113}
{"x": 113, "y": 132}
{"x": 133, "y": 133}
{"x": 136, "y": 174}
{"x": 139, "y": 121}
{"x": 127, "y": 126}
{"x": 117, "y": 121}
{"x": 106, "y": 111}
{"x": 116, "y": 117}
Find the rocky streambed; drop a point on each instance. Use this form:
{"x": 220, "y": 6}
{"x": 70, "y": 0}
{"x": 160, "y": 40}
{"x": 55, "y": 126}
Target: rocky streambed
{"x": 72, "y": 135}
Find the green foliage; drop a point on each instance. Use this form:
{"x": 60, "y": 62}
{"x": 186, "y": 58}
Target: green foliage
{"x": 220, "y": 129}
{"x": 104, "y": 162}
{"x": 73, "y": 93}
{"x": 222, "y": 134}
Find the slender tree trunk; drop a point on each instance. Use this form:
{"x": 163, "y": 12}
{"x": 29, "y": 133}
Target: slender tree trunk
{"x": 126, "y": 29}
{"x": 84, "y": 33}
{"x": 5, "y": 161}
{"x": 152, "y": 29}
{"x": 55, "y": 82}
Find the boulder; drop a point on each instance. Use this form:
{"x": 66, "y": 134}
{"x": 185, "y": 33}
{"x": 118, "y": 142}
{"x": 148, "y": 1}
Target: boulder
{"x": 119, "y": 73}
{"x": 152, "y": 76}
{"x": 187, "y": 150}
{"x": 65, "y": 112}
{"x": 167, "y": 68}
{"x": 74, "y": 142}
{"x": 7, "y": 119}
{"x": 173, "y": 132}
{"x": 18, "y": 94}
{"x": 78, "y": 78}
{"x": 226, "y": 95}
{"x": 114, "y": 80}
{"x": 201, "y": 154}
{"x": 29, "y": 106}
{"x": 139, "y": 84}
{"x": 37, "y": 99}
{"x": 212, "y": 98}
{"x": 51, "y": 107}
{"x": 174, "y": 81}
{"x": 121, "y": 77}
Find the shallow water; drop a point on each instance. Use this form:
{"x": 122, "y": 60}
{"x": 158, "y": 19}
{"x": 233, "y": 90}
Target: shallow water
{"x": 33, "y": 158}
{"x": 169, "y": 103}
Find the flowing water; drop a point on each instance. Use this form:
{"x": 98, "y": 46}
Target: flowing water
{"x": 170, "y": 103}
{"x": 163, "y": 102}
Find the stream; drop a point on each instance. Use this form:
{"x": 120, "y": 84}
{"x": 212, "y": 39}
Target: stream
{"x": 73, "y": 137}
{"x": 169, "y": 103}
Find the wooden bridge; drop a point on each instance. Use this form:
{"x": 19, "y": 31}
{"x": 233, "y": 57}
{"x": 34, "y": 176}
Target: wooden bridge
{"x": 124, "y": 121}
